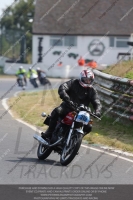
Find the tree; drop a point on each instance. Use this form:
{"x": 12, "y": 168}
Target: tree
{"x": 16, "y": 19}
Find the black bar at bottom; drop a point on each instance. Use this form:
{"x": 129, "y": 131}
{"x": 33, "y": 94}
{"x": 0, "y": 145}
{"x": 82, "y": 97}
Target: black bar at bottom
{"x": 66, "y": 192}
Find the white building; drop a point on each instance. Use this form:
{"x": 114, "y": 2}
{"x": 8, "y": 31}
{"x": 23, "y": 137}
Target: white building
{"x": 97, "y": 30}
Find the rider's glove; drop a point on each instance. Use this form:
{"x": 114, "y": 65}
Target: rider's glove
{"x": 98, "y": 114}
{"x": 72, "y": 105}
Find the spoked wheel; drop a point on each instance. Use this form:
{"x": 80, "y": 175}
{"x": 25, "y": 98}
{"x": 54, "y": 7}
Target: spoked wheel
{"x": 43, "y": 152}
{"x": 70, "y": 151}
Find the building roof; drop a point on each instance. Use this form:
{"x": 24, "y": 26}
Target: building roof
{"x": 83, "y": 17}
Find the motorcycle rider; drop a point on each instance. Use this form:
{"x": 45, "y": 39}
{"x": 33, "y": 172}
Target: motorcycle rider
{"x": 21, "y": 71}
{"x": 32, "y": 75}
{"x": 42, "y": 77}
{"x": 75, "y": 91}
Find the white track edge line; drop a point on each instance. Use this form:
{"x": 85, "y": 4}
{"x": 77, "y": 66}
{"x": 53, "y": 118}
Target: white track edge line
{"x": 111, "y": 154}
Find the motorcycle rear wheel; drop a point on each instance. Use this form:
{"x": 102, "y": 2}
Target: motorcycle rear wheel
{"x": 65, "y": 158}
{"x": 21, "y": 83}
{"x": 43, "y": 152}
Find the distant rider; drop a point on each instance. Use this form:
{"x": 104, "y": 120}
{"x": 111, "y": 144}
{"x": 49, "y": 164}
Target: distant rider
{"x": 32, "y": 75}
{"x": 21, "y": 71}
{"x": 42, "y": 77}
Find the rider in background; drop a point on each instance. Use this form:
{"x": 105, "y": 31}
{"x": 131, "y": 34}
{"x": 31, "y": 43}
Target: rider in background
{"x": 32, "y": 75}
{"x": 42, "y": 77}
{"x": 75, "y": 91}
{"x": 21, "y": 71}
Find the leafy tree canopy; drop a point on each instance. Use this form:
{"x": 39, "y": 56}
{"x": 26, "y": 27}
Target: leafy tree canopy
{"x": 16, "y": 18}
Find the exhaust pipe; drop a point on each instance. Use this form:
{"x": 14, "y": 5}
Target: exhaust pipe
{"x": 44, "y": 142}
{"x": 52, "y": 145}
{"x": 41, "y": 140}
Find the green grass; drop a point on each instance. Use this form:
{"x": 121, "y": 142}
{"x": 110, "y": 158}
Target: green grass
{"x": 122, "y": 69}
{"x": 7, "y": 76}
{"x": 31, "y": 105}
{"x": 118, "y": 135}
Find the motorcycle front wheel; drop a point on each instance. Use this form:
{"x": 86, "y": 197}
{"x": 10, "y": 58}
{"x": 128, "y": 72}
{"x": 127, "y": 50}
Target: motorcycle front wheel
{"x": 69, "y": 152}
{"x": 43, "y": 152}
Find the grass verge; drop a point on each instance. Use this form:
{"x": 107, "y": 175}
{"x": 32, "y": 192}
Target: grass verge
{"x": 122, "y": 69}
{"x": 7, "y": 76}
{"x": 29, "y": 106}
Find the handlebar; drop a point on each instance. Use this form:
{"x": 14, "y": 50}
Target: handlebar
{"x": 88, "y": 110}
{"x": 78, "y": 108}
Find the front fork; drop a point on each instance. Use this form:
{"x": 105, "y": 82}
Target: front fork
{"x": 70, "y": 133}
{"x": 80, "y": 130}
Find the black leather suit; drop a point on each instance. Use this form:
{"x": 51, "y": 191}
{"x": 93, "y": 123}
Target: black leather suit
{"x": 73, "y": 91}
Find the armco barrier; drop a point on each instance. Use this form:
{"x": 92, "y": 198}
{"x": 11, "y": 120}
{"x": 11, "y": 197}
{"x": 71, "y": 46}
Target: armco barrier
{"x": 116, "y": 93}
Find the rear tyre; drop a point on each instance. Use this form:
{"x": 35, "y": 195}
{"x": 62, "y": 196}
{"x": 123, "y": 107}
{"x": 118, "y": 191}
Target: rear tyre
{"x": 43, "y": 152}
{"x": 69, "y": 152}
{"x": 35, "y": 83}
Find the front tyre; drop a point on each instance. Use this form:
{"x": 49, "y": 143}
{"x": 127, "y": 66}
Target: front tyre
{"x": 43, "y": 152}
{"x": 69, "y": 152}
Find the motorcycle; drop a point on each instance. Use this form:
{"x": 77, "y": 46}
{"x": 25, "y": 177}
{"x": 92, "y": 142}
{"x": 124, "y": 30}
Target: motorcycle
{"x": 45, "y": 81}
{"x": 33, "y": 80}
{"x": 21, "y": 81}
{"x": 67, "y": 136}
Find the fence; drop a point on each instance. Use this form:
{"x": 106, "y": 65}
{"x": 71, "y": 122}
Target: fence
{"x": 116, "y": 95}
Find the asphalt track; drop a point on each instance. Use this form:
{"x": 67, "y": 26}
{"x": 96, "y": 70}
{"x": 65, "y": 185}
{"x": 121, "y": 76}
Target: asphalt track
{"x": 19, "y": 163}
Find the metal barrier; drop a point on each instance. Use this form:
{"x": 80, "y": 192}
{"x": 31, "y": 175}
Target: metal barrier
{"x": 116, "y": 94}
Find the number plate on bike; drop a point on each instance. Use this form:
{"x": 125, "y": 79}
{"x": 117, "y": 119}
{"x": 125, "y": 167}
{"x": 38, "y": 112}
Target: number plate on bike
{"x": 83, "y": 117}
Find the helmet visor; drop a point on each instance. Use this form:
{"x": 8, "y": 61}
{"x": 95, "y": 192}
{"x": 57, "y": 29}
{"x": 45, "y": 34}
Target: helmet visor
{"x": 87, "y": 80}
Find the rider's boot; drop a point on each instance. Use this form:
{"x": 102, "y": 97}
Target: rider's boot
{"x": 49, "y": 131}
{"x": 47, "y": 134}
